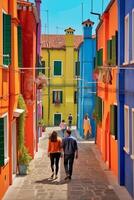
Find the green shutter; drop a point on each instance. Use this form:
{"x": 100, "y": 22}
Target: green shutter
{"x": 6, "y": 39}
{"x": 113, "y": 120}
{"x": 114, "y": 50}
{"x": 101, "y": 57}
{"x": 19, "y": 46}
{"x": 57, "y": 119}
{"x": 100, "y": 109}
{"x": 77, "y": 68}
{"x": 57, "y": 68}
{"x": 43, "y": 66}
{"x": 61, "y": 98}
{"x": 1, "y": 141}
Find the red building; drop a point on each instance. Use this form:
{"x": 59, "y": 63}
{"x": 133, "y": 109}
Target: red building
{"x": 28, "y": 16}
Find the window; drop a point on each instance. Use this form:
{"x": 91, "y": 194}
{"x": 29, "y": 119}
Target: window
{"x": 57, "y": 119}
{"x": 57, "y": 97}
{"x": 126, "y": 59}
{"x": 77, "y": 68}
{"x": 75, "y": 97}
{"x": 133, "y": 35}
{"x": 100, "y": 57}
{"x": 6, "y": 39}
{"x": 109, "y": 51}
{"x": 98, "y": 110}
{"x": 19, "y": 46}
{"x": 3, "y": 140}
{"x": 43, "y": 66}
{"x": 113, "y": 120}
{"x": 126, "y": 119}
{"x": 133, "y": 132}
{"x": 57, "y": 68}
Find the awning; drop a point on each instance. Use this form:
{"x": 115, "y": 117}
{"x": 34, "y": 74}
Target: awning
{"x": 17, "y": 112}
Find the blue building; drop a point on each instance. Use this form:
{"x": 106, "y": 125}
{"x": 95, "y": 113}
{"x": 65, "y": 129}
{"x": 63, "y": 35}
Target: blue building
{"x": 126, "y": 93}
{"x": 86, "y": 85}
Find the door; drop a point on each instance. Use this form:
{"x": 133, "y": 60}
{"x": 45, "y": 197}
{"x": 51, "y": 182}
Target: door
{"x": 14, "y": 148}
{"x": 57, "y": 119}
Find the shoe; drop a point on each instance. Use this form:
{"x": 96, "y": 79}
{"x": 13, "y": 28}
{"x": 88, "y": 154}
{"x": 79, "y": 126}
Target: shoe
{"x": 66, "y": 178}
{"x": 69, "y": 177}
{"x": 52, "y": 175}
{"x": 55, "y": 177}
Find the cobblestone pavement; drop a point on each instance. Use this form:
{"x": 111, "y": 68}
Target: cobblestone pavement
{"x": 91, "y": 180}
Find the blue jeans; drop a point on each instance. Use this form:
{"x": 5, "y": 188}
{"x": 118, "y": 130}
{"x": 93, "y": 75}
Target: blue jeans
{"x": 63, "y": 132}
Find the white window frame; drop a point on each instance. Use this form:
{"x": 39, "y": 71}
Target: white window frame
{"x": 58, "y": 91}
{"x": 132, "y": 155}
{"x": 132, "y": 61}
{"x": 126, "y": 47}
{"x": 126, "y": 130}
{"x": 61, "y": 68}
{"x": 56, "y": 114}
{"x": 6, "y": 138}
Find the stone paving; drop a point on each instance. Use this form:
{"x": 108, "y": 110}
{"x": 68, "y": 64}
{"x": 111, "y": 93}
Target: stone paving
{"x": 90, "y": 181}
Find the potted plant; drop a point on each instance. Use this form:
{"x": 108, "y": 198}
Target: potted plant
{"x": 24, "y": 160}
{"x": 23, "y": 156}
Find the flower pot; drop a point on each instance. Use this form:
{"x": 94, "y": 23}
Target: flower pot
{"x": 23, "y": 169}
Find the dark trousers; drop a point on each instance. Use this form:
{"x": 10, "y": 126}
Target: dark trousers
{"x": 54, "y": 158}
{"x": 68, "y": 163}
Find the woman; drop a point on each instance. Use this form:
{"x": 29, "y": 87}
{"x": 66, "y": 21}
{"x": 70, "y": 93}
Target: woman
{"x": 63, "y": 127}
{"x": 54, "y": 152}
{"x": 86, "y": 127}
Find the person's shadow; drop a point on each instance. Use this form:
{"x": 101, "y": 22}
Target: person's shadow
{"x": 51, "y": 181}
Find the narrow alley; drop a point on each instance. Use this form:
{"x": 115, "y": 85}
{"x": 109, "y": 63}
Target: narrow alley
{"x": 91, "y": 179}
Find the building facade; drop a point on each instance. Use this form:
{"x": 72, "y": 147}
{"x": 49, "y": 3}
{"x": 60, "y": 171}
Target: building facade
{"x": 28, "y": 16}
{"x": 9, "y": 92}
{"x": 60, "y": 55}
{"x": 86, "y": 85}
{"x": 125, "y": 94}
{"x": 106, "y": 101}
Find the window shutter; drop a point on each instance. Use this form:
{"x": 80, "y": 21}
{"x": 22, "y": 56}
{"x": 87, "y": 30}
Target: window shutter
{"x": 43, "y": 66}
{"x": 6, "y": 39}
{"x": 53, "y": 96}
{"x": 114, "y": 50}
{"x": 1, "y": 141}
{"x": 19, "y": 46}
{"x": 57, "y": 68}
{"x": 100, "y": 108}
{"x": 77, "y": 68}
{"x": 61, "y": 93}
{"x": 97, "y": 56}
{"x": 108, "y": 51}
{"x": 113, "y": 120}
{"x": 101, "y": 57}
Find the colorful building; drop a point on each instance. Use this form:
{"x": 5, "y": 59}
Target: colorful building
{"x": 125, "y": 94}
{"x": 60, "y": 56}
{"x": 86, "y": 86}
{"x": 28, "y": 16}
{"x": 105, "y": 111}
{"x": 9, "y": 92}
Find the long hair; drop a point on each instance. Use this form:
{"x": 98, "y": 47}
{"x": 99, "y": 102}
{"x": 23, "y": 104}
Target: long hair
{"x": 53, "y": 136}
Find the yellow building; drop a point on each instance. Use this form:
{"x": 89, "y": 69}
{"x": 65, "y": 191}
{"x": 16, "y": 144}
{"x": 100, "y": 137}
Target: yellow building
{"x": 60, "y": 59}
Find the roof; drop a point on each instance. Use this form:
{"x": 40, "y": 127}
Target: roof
{"x": 58, "y": 41}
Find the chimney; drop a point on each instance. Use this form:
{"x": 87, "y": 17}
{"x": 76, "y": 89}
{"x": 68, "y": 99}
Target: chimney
{"x": 69, "y": 37}
{"x": 87, "y": 28}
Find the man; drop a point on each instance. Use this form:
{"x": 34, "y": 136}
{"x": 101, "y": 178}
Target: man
{"x": 70, "y": 148}
{"x": 70, "y": 118}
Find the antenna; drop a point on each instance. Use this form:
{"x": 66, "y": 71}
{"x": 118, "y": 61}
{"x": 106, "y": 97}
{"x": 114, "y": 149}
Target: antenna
{"x": 94, "y": 13}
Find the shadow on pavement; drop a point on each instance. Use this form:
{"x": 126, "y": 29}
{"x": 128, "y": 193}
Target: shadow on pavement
{"x": 51, "y": 182}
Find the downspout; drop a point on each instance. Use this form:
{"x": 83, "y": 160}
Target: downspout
{"x": 48, "y": 87}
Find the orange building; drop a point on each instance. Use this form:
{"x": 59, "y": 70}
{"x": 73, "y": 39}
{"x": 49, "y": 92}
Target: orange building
{"x": 106, "y": 67}
{"x": 28, "y": 16}
{"x": 9, "y": 91}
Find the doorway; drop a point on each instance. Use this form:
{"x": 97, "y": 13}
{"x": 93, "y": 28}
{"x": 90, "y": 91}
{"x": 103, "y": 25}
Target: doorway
{"x": 57, "y": 119}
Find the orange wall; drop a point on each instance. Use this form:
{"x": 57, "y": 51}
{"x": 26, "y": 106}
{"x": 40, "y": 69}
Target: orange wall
{"x": 106, "y": 144}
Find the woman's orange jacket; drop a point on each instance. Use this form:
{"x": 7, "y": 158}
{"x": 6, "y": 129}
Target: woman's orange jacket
{"x": 54, "y": 147}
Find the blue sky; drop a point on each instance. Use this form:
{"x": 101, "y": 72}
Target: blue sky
{"x": 66, "y": 13}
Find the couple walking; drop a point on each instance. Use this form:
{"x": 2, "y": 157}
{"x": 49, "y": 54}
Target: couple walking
{"x": 68, "y": 146}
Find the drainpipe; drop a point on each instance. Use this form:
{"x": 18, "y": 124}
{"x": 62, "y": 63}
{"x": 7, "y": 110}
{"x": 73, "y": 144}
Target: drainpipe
{"x": 48, "y": 87}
